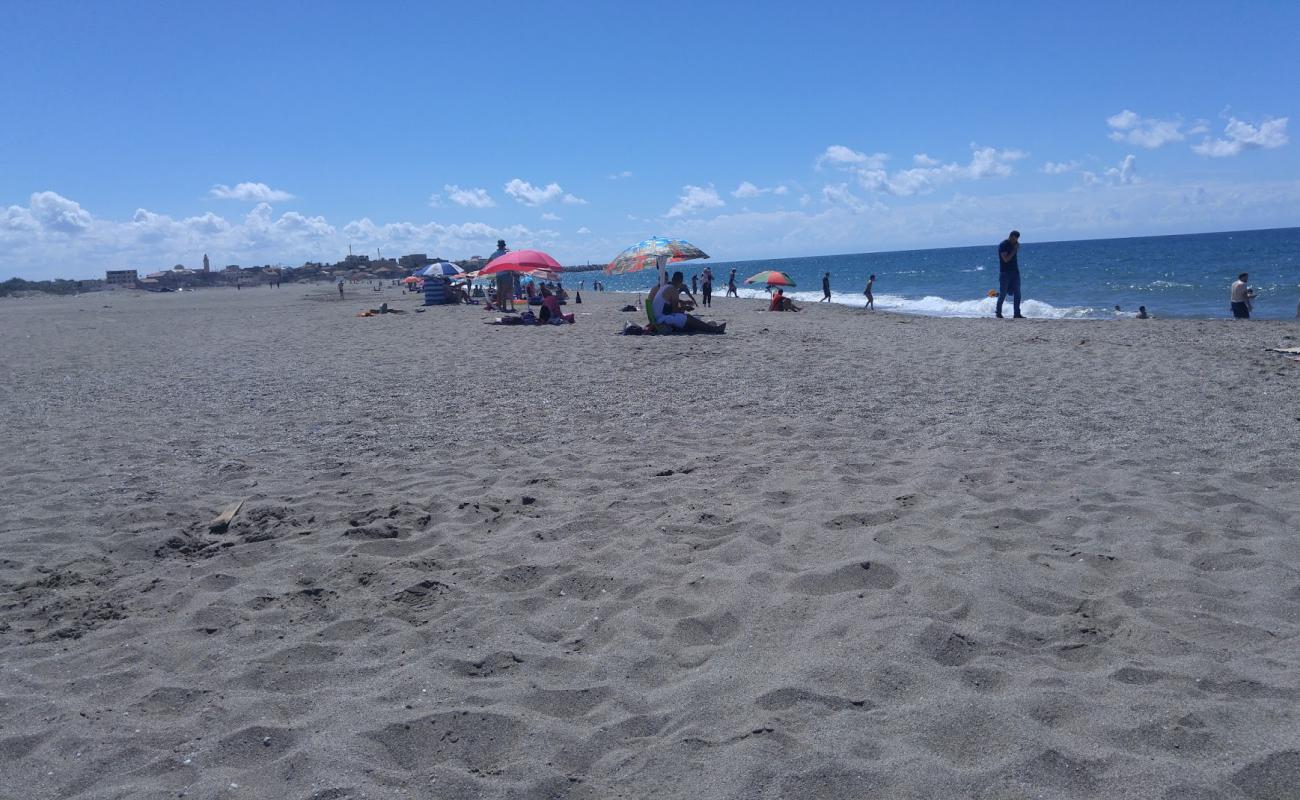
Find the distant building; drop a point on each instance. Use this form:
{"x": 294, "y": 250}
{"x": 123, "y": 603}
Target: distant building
{"x": 356, "y": 261}
{"x": 414, "y": 261}
{"x": 206, "y": 266}
{"x": 121, "y": 277}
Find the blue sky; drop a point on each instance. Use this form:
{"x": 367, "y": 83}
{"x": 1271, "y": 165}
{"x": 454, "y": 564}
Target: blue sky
{"x": 146, "y": 134}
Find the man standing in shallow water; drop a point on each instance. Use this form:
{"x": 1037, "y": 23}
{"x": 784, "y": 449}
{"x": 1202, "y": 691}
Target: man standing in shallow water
{"x": 1009, "y": 274}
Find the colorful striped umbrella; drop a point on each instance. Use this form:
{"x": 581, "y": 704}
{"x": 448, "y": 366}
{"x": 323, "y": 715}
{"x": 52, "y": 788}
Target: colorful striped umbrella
{"x": 771, "y": 277}
{"x": 440, "y": 268}
{"x": 653, "y": 252}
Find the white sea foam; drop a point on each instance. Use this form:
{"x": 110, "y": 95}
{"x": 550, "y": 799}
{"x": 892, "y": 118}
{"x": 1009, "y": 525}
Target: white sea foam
{"x": 933, "y": 306}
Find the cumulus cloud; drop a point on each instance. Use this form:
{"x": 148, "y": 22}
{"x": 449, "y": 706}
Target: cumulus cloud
{"x": 871, "y": 174}
{"x": 1240, "y": 136}
{"x": 1060, "y": 167}
{"x": 584, "y": 230}
{"x": 54, "y": 236}
{"x": 250, "y": 193}
{"x": 466, "y": 198}
{"x": 1129, "y": 127}
{"x": 837, "y": 155}
{"x": 695, "y": 198}
{"x": 618, "y": 176}
{"x": 1122, "y": 175}
{"x": 747, "y": 190}
{"x": 549, "y": 217}
{"x": 55, "y": 212}
{"x": 531, "y": 195}
{"x": 840, "y": 194}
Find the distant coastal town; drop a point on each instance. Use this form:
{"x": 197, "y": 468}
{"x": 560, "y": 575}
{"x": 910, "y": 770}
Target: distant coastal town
{"x": 353, "y": 267}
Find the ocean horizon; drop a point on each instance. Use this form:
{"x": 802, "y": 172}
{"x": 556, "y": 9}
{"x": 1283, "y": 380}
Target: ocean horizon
{"x": 1180, "y": 275}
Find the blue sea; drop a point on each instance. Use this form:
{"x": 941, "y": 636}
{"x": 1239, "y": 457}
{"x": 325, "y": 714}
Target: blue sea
{"x": 1173, "y": 276}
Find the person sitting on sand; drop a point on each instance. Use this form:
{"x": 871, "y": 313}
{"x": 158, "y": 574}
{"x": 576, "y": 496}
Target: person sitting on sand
{"x": 550, "y": 307}
{"x": 670, "y": 309}
{"x": 781, "y": 303}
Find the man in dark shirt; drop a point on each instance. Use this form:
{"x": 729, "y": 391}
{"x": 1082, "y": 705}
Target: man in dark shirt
{"x": 826, "y": 288}
{"x": 1009, "y": 274}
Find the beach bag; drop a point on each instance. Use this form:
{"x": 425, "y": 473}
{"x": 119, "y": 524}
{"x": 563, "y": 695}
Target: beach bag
{"x": 632, "y": 329}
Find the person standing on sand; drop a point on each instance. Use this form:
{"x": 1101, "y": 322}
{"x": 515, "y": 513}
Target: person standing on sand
{"x": 826, "y": 288}
{"x": 1009, "y": 274}
{"x": 695, "y": 284}
{"x": 505, "y": 282}
{"x": 871, "y": 301}
{"x": 706, "y": 286}
{"x": 1240, "y": 295}
{"x": 731, "y": 285}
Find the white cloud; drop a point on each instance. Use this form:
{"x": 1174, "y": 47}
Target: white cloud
{"x": 549, "y": 217}
{"x": 250, "y": 193}
{"x": 694, "y": 198}
{"x": 839, "y": 194}
{"x": 1123, "y": 120}
{"x": 1241, "y": 136}
{"x": 468, "y": 198}
{"x": 1124, "y": 174}
{"x": 618, "y": 176}
{"x": 55, "y": 212}
{"x": 1149, "y": 132}
{"x": 923, "y": 160}
{"x": 837, "y": 155}
{"x": 37, "y": 239}
{"x": 1060, "y": 167}
{"x": 985, "y": 162}
{"x": 531, "y": 195}
{"x": 1139, "y": 209}
{"x": 747, "y": 190}
{"x": 584, "y": 230}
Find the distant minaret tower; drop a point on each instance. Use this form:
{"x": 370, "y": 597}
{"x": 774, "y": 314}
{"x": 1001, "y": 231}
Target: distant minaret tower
{"x": 206, "y": 266}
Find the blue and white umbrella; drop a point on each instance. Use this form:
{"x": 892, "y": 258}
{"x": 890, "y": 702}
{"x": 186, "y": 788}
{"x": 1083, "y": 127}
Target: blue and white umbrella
{"x": 443, "y": 269}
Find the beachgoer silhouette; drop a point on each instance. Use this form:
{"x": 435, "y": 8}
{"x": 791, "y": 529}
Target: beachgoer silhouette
{"x": 1009, "y": 274}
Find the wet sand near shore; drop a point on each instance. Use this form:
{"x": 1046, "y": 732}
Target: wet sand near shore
{"x": 832, "y": 554}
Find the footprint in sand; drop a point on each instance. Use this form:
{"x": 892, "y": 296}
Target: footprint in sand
{"x": 857, "y": 576}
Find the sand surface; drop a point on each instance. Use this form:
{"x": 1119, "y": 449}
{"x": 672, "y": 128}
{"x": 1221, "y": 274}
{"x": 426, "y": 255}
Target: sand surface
{"x": 827, "y": 555}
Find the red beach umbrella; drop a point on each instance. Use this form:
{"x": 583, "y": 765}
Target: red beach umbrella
{"x": 522, "y": 261}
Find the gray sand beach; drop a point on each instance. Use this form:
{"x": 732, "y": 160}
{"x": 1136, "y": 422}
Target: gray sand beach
{"x": 834, "y": 554}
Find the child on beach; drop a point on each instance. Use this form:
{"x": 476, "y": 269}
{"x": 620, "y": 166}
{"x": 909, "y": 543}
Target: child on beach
{"x": 871, "y": 301}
